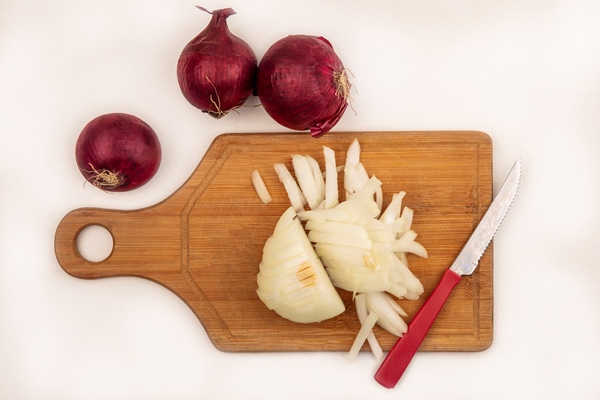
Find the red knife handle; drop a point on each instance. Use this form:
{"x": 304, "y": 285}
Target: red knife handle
{"x": 395, "y": 363}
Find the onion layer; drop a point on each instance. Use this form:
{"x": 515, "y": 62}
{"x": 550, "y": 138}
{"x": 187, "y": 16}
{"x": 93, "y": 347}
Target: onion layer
{"x": 302, "y": 84}
{"x": 118, "y": 152}
{"x": 217, "y": 70}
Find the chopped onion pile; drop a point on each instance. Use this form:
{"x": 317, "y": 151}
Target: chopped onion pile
{"x": 362, "y": 246}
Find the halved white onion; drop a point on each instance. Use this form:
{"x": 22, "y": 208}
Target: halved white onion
{"x": 274, "y": 258}
{"x": 292, "y": 280}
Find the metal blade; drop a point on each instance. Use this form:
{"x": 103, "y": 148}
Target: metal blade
{"x": 468, "y": 259}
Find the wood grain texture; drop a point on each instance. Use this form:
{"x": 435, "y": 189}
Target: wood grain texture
{"x": 204, "y": 242}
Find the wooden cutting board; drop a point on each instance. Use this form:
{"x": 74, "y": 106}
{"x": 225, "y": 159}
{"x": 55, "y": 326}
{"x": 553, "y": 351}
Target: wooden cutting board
{"x": 204, "y": 242}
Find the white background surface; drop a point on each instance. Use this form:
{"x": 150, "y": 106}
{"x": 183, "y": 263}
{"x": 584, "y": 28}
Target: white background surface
{"x": 526, "y": 72}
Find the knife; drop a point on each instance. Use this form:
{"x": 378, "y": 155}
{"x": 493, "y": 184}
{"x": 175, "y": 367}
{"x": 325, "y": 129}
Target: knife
{"x": 395, "y": 363}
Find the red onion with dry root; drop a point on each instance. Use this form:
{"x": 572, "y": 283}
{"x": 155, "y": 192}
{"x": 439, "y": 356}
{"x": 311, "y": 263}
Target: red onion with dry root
{"x": 216, "y": 70}
{"x": 302, "y": 84}
{"x": 118, "y": 152}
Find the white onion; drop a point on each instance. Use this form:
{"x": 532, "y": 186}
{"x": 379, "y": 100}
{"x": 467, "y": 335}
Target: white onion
{"x": 355, "y": 245}
{"x": 355, "y": 240}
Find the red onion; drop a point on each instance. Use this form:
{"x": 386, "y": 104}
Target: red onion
{"x": 302, "y": 84}
{"x": 118, "y": 152}
{"x": 217, "y": 70}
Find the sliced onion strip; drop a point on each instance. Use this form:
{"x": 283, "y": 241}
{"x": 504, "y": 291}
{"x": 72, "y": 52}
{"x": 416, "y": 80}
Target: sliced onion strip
{"x": 362, "y": 335}
{"x": 389, "y": 319}
{"x": 395, "y": 306}
{"x": 353, "y": 153}
{"x": 291, "y": 187}
{"x": 318, "y": 177}
{"x": 306, "y": 180}
{"x": 352, "y": 177}
{"x": 360, "y": 302}
{"x": 331, "y": 178}
{"x": 260, "y": 187}
{"x": 407, "y": 244}
{"x": 405, "y": 221}
{"x": 392, "y": 212}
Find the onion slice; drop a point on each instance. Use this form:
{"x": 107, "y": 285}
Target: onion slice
{"x": 319, "y": 179}
{"x": 291, "y": 187}
{"x": 360, "y": 302}
{"x": 389, "y": 318}
{"x": 306, "y": 180}
{"x": 260, "y": 187}
{"x": 363, "y": 334}
{"x": 392, "y": 212}
{"x": 407, "y": 244}
{"x": 331, "y": 177}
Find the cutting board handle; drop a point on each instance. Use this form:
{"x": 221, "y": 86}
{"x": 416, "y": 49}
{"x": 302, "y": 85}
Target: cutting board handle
{"x": 133, "y": 252}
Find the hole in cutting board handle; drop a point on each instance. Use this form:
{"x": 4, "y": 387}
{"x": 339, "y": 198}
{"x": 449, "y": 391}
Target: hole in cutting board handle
{"x": 95, "y": 243}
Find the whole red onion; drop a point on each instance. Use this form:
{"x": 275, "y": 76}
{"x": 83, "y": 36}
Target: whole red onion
{"x": 302, "y": 84}
{"x": 217, "y": 70}
{"x": 118, "y": 152}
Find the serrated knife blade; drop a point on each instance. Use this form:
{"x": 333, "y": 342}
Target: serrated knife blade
{"x": 397, "y": 360}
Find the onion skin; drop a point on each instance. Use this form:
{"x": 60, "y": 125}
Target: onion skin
{"x": 216, "y": 70}
{"x": 302, "y": 84}
{"x": 120, "y": 145}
